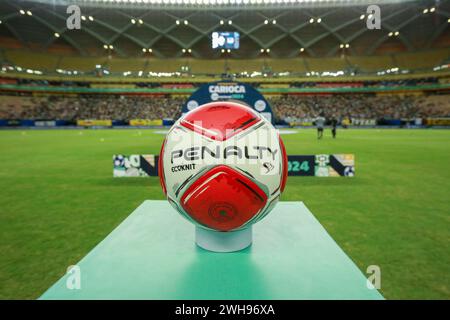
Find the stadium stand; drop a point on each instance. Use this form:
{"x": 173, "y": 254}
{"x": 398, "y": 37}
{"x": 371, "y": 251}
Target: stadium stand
{"x": 49, "y": 63}
{"x": 422, "y": 60}
{"x": 210, "y": 67}
{"x": 291, "y": 65}
{"x": 288, "y": 109}
{"x": 125, "y": 65}
{"x": 328, "y": 64}
{"x": 83, "y": 64}
{"x": 303, "y": 65}
{"x": 165, "y": 66}
{"x": 370, "y": 64}
{"x": 101, "y": 107}
{"x": 37, "y": 61}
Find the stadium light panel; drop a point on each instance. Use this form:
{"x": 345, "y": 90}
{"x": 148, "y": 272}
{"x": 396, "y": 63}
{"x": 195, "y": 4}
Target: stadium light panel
{"x": 302, "y": 49}
{"x": 186, "y": 22}
{"x": 230, "y": 22}
{"x": 396, "y": 33}
{"x": 274, "y": 21}
{"x": 144, "y": 50}
{"x": 83, "y": 18}
{"x": 56, "y": 34}
{"x": 228, "y": 2}
{"x": 425, "y": 11}
{"x": 266, "y": 21}
{"x": 29, "y": 13}
{"x": 22, "y": 11}
{"x": 141, "y": 22}
{"x": 221, "y": 22}
{"x": 133, "y": 21}
{"x": 111, "y": 47}
{"x": 0, "y": 21}
{"x": 361, "y": 17}
{"x": 390, "y": 34}
{"x": 311, "y": 20}
{"x": 91, "y": 18}
{"x": 177, "y": 22}
{"x": 105, "y": 46}
{"x": 432, "y": 9}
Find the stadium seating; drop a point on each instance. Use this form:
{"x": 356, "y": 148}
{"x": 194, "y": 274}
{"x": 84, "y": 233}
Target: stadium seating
{"x": 290, "y": 65}
{"x": 422, "y": 60}
{"x": 124, "y": 65}
{"x": 249, "y": 66}
{"x": 213, "y": 67}
{"x": 328, "y": 64}
{"x": 81, "y": 63}
{"x": 372, "y": 63}
{"x": 165, "y": 65}
{"x": 34, "y": 61}
{"x": 286, "y": 108}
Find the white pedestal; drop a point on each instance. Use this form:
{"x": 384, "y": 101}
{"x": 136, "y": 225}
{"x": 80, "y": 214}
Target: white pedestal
{"x": 223, "y": 241}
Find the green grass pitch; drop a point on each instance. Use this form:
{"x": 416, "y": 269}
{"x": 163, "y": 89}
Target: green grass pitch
{"x": 58, "y": 200}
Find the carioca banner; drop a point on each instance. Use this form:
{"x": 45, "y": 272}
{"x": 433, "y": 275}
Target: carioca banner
{"x": 229, "y": 91}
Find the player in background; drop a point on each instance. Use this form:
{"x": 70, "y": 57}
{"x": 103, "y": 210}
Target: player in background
{"x": 320, "y": 122}
{"x": 334, "y": 126}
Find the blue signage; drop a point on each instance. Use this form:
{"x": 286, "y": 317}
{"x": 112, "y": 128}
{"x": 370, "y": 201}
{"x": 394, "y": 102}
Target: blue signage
{"x": 229, "y": 91}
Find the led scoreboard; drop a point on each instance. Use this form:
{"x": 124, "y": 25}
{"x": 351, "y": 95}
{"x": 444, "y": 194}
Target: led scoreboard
{"x": 225, "y": 40}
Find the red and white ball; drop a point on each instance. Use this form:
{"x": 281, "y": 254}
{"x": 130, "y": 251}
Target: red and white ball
{"x": 223, "y": 166}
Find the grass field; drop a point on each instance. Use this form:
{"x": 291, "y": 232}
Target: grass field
{"x": 58, "y": 200}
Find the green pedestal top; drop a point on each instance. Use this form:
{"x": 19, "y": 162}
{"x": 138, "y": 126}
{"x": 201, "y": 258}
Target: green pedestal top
{"x": 152, "y": 255}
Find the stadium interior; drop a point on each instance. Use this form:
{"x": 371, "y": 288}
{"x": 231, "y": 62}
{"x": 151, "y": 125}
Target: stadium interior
{"x": 164, "y": 50}
{"x": 134, "y": 63}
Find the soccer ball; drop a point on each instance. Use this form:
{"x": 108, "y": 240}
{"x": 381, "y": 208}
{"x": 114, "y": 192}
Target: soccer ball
{"x": 223, "y": 166}
{"x": 119, "y": 161}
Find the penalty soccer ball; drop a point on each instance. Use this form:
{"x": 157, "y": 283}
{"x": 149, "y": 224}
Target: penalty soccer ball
{"x": 223, "y": 166}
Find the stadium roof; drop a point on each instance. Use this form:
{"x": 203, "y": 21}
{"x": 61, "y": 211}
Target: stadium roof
{"x": 268, "y": 28}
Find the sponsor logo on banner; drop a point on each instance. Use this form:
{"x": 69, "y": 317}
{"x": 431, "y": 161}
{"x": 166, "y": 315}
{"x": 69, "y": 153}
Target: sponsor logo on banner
{"x": 49, "y": 123}
{"x": 192, "y": 104}
{"x": 146, "y": 122}
{"x": 260, "y": 105}
{"x": 438, "y": 121}
{"x": 94, "y": 123}
{"x": 221, "y": 91}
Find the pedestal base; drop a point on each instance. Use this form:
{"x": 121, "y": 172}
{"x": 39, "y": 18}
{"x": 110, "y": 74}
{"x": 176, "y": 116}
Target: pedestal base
{"x": 152, "y": 255}
{"x": 223, "y": 241}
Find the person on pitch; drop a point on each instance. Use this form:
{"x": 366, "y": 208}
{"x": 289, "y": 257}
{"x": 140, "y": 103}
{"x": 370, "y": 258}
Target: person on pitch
{"x": 333, "y": 126}
{"x": 320, "y": 122}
